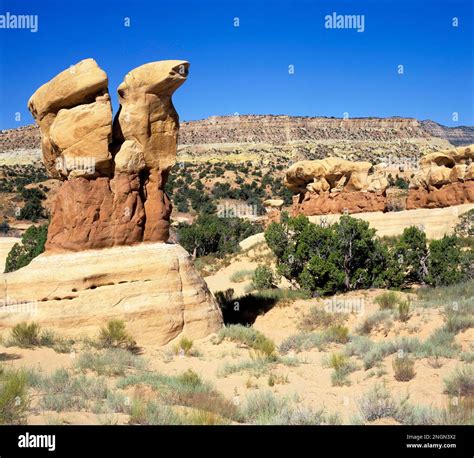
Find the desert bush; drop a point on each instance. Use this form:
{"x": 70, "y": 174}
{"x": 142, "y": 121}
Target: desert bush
{"x": 342, "y": 368}
{"x": 114, "y": 335}
{"x": 63, "y": 391}
{"x": 387, "y": 300}
{"x": 185, "y": 345}
{"x": 250, "y": 337}
{"x": 307, "y": 340}
{"x": 264, "y": 408}
{"x": 320, "y": 318}
{"x": 14, "y": 400}
{"x": 241, "y": 275}
{"x": 377, "y": 403}
{"x": 337, "y": 333}
{"x": 403, "y": 366}
{"x": 32, "y": 245}
{"x": 440, "y": 343}
{"x": 186, "y": 389}
{"x": 112, "y": 362}
{"x": 152, "y": 413}
{"x": 404, "y": 311}
{"x": 263, "y": 278}
{"x": 373, "y": 320}
{"x": 460, "y": 382}
{"x": 25, "y": 335}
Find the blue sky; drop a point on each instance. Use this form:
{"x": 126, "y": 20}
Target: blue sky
{"x": 245, "y": 69}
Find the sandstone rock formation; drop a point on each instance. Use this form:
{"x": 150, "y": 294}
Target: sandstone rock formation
{"x": 333, "y": 185}
{"x": 153, "y": 286}
{"x": 336, "y": 185}
{"x": 116, "y": 174}
{"x": 445, "y": 178}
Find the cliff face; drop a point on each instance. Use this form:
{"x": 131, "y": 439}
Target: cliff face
{"x": 280, "y": 129}
{"x": 457, "y": 136}
{"x": 283, "y": 129}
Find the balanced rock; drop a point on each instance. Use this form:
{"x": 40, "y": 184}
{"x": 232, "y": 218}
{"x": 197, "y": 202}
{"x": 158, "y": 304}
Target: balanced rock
{"x": 116, "y": 174}
{"x": 83, "y": 125}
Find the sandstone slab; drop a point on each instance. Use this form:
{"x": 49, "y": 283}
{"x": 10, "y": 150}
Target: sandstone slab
{"x": 153, "y": 287}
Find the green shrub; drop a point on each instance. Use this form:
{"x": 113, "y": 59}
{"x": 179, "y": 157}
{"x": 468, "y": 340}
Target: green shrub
{"x": 14, "y": 400}
{"x": 344, "y": 256}
{"x": 320, "y": 318}
{"x": 263, "y": 278}
{"x": 25, "y": 335}
{"x": 32, "y": 245}
{"x": 404, "y": 311}
{"x": 461, "y": 382}
{"x": 112, "y": 362}
{"x": 185, "y": 345}
{"x": 445, "y": 262}
{"x": 211, "y": 234}
{"x": 387, "y": 300}
{"x": 403, "y": 367}
{"x": 338, "y": 333}
{"x": 114, "y": 335}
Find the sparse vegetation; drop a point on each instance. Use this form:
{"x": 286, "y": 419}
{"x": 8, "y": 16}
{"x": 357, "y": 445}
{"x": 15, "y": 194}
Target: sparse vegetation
{"x": 461, "y": 382}
{"x": 14, "y": 399}
{"x": 403, "y": 366}
{"x": 115, "y": 335}
{"x": 387, "y": 300}
{"x": 263, "y": 278}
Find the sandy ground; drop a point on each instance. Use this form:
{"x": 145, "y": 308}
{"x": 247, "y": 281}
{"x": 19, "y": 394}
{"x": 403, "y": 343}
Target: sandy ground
{"x": 309, "y": 381}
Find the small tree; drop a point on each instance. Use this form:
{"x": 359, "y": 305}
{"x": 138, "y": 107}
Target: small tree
{"x": 32, "y": 245}
{"x": 445, "y": 262}
{"x": 263, "y": 278}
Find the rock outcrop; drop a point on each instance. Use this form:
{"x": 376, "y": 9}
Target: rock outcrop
{"x": 333, "y": 185}
{"x": 116, "y": 172}
{"x": 445, "y": 178}
{"x": 97, "y": 265}
{"x": 154, "y": 287}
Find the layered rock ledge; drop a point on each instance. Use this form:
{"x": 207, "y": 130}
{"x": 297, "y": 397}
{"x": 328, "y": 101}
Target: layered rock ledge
{"x": 154, "y": 287}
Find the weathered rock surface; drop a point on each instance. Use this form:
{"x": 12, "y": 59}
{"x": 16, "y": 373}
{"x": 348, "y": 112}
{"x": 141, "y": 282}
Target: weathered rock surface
{"x": 83, "y": 124}
{"x": 344, "y": 202}
{"x": 445, "y": 196}
{"x": 91, "y": 214}
{"x": 154, "y": 287}
{"x": 333, "y": 185}
{"x": 114, "y": 194}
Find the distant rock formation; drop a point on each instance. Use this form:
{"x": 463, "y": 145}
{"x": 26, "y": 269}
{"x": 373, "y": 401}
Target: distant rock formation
{"x": 116, "y": 172}
{"x": 335, "y": 185}
{"x": 445, "y": 178}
